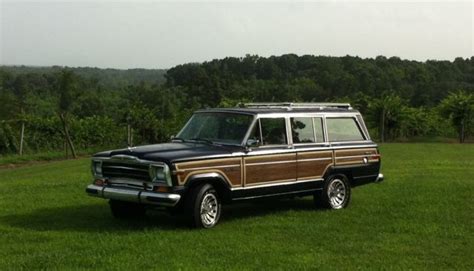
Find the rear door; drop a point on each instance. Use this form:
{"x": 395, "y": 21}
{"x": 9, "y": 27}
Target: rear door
{"x": 313, "y": 154}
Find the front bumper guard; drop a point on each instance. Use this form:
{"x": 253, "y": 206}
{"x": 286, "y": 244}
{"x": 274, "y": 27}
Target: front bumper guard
{"x": 144, "y": 197}
{"x": 379, "y": 178}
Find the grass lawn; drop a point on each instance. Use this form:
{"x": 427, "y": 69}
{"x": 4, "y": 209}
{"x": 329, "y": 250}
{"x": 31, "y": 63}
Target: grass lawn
{"x": 421, "y": 217}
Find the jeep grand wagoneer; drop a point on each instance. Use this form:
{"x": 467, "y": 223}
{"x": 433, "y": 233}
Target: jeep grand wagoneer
{"x": 231, "y": 154}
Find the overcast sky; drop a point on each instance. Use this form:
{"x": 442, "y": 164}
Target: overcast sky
{"x": 163, "y": 34}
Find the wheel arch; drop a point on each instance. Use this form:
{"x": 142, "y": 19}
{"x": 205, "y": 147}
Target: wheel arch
{"x": 218, "y": 181}
{"x": 334, "y": 171}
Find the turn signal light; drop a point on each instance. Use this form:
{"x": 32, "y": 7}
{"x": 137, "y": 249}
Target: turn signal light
{"x": 100, "y": 182}
{"x": 162, "y": 189}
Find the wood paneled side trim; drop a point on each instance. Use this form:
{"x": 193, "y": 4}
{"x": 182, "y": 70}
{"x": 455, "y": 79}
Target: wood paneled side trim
{"x": 348, "y": 152}
{"x": 192, "y": 173}
{"x": 229, "y": 168}
{"x": 270, "y": 182}
{"x": 270, "y": 168}
{"x": 315, "y": 154}
{"x": 271, "y": 157}
{"x": 209, "y": 167}
{"x": 315, "y": 159}
{"x": 271, "y": 163}
{"x": 210, "y": 162}
{"x": 313, "y": 164}
{"x": 243, "y": 172}
{"x": 355, "y": 156}
{"x": 316, "y": 176}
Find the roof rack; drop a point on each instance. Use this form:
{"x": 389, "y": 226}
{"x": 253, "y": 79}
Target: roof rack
{"x": 289, "y": 106}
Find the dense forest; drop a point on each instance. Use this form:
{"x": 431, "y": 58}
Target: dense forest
{"x": 53, "y": 108}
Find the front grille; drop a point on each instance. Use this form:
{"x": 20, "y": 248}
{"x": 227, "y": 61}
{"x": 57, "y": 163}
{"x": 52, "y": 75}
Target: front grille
{"x": 125, "y": 170}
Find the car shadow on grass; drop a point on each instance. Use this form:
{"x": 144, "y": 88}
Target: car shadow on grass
{"x": 97, "y": 217}
{"x": 87, "y": 218}
{"x": 264, "y": 207}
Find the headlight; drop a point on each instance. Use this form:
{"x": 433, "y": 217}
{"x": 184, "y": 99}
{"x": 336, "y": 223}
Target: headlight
{"x": 96, "y": 168}
{"x": 160, "y": 173}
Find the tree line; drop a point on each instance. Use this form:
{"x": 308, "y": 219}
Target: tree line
{"x": 50, "y": 108}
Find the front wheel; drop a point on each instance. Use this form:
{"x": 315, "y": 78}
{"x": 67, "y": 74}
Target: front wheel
{"x": 203, "y": 207}
{"x": 336, "y": 193}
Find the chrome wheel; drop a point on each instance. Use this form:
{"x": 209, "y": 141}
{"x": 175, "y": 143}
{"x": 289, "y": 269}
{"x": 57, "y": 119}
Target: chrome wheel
{"x": 209, "y": 210}
{"x": 337, "y": 193}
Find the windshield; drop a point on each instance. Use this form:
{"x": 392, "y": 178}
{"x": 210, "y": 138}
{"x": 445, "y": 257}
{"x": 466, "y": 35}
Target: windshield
{"x": 224, "y": 128}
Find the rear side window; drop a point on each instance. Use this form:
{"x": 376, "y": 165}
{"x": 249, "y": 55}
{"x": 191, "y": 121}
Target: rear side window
{"x": 343, "y": 129}
{"x": 318, "y": 127}
{"x": 307, "y": 130}
{"x": 302, "y": 130}
{"x": 270, "y": 131}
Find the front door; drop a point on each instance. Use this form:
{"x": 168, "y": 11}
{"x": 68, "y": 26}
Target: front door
{"x": 270, "y": 161}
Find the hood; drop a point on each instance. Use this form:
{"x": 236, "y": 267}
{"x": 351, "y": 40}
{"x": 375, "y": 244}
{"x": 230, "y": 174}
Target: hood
{"x": 171, "y": 152}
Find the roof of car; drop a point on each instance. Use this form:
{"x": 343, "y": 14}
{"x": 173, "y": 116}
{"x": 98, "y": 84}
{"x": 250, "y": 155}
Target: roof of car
{"x": 262, "y": 108}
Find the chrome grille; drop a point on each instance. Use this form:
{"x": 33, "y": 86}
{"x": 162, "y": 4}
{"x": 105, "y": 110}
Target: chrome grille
{"x": 117, "y": 169}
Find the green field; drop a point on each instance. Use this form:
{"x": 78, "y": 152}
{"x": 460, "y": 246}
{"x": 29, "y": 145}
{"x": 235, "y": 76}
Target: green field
{"x": 421, "y": 217}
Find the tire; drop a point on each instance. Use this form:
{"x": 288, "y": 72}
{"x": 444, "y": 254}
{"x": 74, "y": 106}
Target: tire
{"x": 126, "y": 210}
{"x": 336, "y": 193}
{"x": 203, "y": 207}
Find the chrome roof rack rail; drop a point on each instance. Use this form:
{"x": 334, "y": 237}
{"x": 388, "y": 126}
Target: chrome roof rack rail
{"x": 290, "y": 106}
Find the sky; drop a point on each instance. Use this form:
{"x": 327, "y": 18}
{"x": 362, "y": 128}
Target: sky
{"x": 162, "y": 34}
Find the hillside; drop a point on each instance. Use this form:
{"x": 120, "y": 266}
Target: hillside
{"x": 113, "y": 78}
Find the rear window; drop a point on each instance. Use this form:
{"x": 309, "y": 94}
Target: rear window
{"x": 343, "y": 129}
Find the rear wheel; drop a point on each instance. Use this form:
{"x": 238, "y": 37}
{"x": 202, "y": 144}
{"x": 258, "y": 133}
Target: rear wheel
{"x": 203, "y": 207}
{"x": 336, "y": 193}
{"x": 126, "y": 210}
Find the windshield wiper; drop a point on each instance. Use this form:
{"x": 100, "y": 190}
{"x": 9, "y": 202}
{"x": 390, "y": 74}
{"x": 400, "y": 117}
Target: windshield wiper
{"x": 203, "y": 140}
{"x": 178, "y": 138}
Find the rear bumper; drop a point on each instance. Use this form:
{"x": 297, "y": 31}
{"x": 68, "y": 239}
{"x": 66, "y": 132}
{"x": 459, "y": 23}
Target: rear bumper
{"x": 357, "y": 181}
{"x": 144, "y": 197}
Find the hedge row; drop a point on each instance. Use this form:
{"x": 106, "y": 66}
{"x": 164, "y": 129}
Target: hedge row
{"x": 46, "y": 134}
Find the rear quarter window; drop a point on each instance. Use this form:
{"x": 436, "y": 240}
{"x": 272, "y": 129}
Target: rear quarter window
{"x": 302, "y": 130}
{"x": 343, "y": 129}
{"x": 307, "y": 130}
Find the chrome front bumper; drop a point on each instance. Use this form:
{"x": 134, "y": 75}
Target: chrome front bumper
{"x": 379, "y": 178}
{"x": 144, "y": 197}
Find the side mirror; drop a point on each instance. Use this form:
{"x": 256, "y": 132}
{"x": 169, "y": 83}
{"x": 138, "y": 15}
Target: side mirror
{"x": 172, "y": 137}
{"x": 252, "y": 143}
